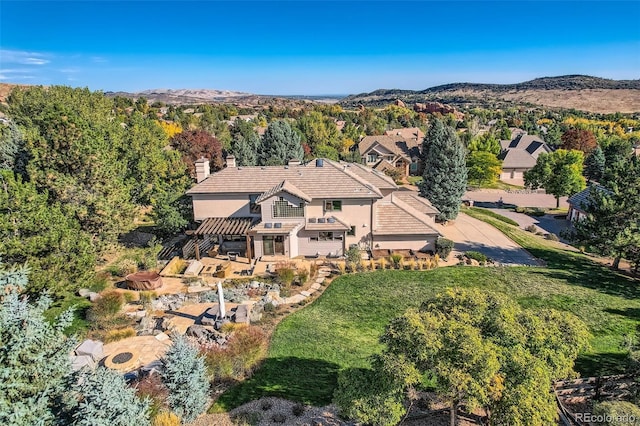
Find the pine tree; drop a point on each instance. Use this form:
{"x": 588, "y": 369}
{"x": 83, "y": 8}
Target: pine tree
{"x": 445, "y": 169}
{"x": 105, "y": 399}
{"x": 34, "y": 354}
{"x": 185, "y": 376}
{"x": 280, "y": 143}
{"x": 594, "y": 165}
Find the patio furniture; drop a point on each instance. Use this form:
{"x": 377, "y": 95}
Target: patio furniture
{"x": 233, "y": 255}
{"x": 144, "y": 280}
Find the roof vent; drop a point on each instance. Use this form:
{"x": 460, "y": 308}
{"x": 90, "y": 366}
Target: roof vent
{"x": 268, "y": 225}
{"x": 321, "y": 220}
{"x": 277, "y": 225}
{"x": 319, "y": 162}
{"x": 331, "y": 220}
{"x": 312, "y": 220}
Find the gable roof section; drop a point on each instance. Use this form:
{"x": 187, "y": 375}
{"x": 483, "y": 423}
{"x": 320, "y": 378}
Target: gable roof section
{"x": 380, "y": 180}
{"x": 394, "y": 144}
{"x": 395, "y": 217}
{"x": 522, "y": 152}
{"x": 417, "y": 202}
{"x": 329, "y": 181}
{"x": 407, "y": 133}
{"x": 580, "y": 200}
{"x": 284, "y": 186}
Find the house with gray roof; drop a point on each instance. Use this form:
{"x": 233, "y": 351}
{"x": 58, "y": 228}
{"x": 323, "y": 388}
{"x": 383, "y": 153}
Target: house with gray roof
{"x": 397, "y": 148}
{"x": 520, "y": 154}
{"x": 579, "y": 202}
{"x": 317, "y": 208}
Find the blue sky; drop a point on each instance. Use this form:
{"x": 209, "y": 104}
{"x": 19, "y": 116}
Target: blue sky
{"x": 306, "y": 47}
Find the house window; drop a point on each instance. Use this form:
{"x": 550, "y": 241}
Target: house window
{"x": 372, "y": 158}
{"x": 332, "y": 205}
{"x": 325, "y": 236}
{"x": 282, "y": 208}
{"x": 253, "y": 207}
{"x": 328, "y": 236}
{"x": 413, "y": 167}
{"x": 352, "y": 231}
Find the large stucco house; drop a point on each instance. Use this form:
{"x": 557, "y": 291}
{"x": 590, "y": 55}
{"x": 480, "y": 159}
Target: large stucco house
{"x": 397, "y": 148}
{"x": 316, "y": 208}
{"x": 520, "y": 155}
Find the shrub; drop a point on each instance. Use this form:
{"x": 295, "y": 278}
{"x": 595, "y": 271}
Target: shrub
{"x": 151, "y": 387}
{"x": 342, "y": 267}
{"x": 278, "y": 418}
{"x": 383, "y": 263}
{"x": 531, "y": 228}
{"x": 105, "y": 312}
{"x": 119, "y": 334}
{"x": 130, "y": 296}
{"x": 245, "y": 348}
{"x": 269, "y": 307}
{"x": 147, "y": 298}
{"x": 247, "y": 418}
{"x": 353, "y": 255}
{"x": 185, "y": 376}
{"x": 104, "y": 398}
{"x": 127, "y": 266}
{"x": 313, "y": 269}
{"x": 166, "y": 418}
{"x": 100, "y": 282}
{"x": 303, "y": 275}
{"x": 298, "y": 409}
{"x": 618, "y": 413}
{"x": 537, "y": 212}
{"x": 476, "y": 255}
{"x": 396, "y": 259}
{"x": 444, "y": 247}
{"x": 521, "y": 210}
{"x": 552, "y": 237}
{"x": 286, "y": 272}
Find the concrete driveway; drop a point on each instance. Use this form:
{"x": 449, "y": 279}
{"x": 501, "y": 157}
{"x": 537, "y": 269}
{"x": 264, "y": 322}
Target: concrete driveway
{"x": 522, "y": 198}
{"x": 472, "y": 234}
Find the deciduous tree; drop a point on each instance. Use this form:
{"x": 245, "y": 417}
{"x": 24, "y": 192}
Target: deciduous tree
{"x": 445, "y": 170}
{"x": 483, "y": 167}
{"x": 193, "y": 144}
{"x": 558, "y": 172}
{"x": 579, "y": 139}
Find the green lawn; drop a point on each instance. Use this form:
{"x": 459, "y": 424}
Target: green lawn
{"x": 342, "y": 327}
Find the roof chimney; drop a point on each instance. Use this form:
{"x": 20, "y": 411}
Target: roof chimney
{"x": 202, "y": 169}
{"x": 231, "y": 161}
{"x": 294, "y": 162}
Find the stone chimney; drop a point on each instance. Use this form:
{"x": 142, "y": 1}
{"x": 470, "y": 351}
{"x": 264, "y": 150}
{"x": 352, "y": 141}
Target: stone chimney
{"x": 231, "y": 161}
{"x": 294, "y": 162}
{"x": 202, "y": 169}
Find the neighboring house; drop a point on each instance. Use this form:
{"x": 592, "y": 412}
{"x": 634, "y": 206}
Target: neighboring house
{"x": 520, "y": 154}
{"x": 317, "y": 208}
{"x": 579, "y": 202}
{"x": 398, "y": 148}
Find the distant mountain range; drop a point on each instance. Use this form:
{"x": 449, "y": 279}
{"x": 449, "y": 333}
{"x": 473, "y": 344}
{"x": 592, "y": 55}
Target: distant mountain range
{"x": 570, "y": 91}
{"x": 579, "y": 92}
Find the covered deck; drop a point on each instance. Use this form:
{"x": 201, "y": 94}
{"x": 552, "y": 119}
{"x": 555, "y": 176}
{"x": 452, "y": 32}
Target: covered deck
{"x": 221, "y": 235}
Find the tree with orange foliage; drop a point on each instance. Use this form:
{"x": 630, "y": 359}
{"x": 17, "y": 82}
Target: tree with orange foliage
{"x": 193, "y": 144}
{"x": 580, "y": 139}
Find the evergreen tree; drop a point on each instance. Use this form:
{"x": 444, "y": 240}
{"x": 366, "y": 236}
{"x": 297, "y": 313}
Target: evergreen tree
{"x": 594, "y": 165}
{"x": 13, "y": 155}
{"x": 36, "y": 231}
{"x": 280, "y": 143}
{"x": 445, "y": 170}
{"x": 185, "y": 376}
{"x": 34, "y": 354}
{"x": 245, "y": 143}
{"x": 105, "y": 399}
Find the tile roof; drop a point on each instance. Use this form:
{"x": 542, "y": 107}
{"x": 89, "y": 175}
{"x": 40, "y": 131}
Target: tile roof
{"x": 580, "y": 200}
{"x": 270, "y": 228}
{"x": 407, "y": 133}
{"x": 397, "y": 145}
{"x": 331, "y": 180}
{"x": 284, "y": 186}
{"x": 414, "y": 199}
{"x": 522, "y": 152}
{"x": 392, "y": 216}
{"x": 380, "y": 180}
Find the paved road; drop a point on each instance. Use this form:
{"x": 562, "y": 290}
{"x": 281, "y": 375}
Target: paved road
{"x": 533, "y": 199}
{"x": 472, "y": 234}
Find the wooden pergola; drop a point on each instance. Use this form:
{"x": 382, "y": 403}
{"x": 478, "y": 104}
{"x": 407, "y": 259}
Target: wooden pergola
{"x": 221, "y": 226}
